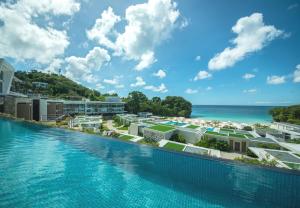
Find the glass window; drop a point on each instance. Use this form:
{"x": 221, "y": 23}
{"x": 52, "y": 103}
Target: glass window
{"x": 1, "y": 75}
{"x": 1, "y": 87}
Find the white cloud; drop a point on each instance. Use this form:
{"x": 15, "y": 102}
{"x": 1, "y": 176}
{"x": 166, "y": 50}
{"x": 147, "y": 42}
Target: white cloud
{"x": 248, "y": 76}
{"x": 99, "y": 86}
{"x": 83, "y": 68}
{"x": 148, "y": 24}
{"x": 139, "y": 82}
{"x": 297, "y": 74}
{"x": 250, "y": 91}
{"x": 202, "y": 75}
{"x": 191, "y": 91}
{"x": 198, "y": 58}
{"x": 114, "y": 81}
{"x": 160, "y": 73}
{"x": 55, "y": 66}
{"x": 275, "y": 80}
{"x": 146, "y": 60}
{"x": 104, "y": 27}
{"x": 209, "y": 88}
{"x": 161, "y": 88}
{"x": 22, "y": 38}
{"x": 252, "y": 36}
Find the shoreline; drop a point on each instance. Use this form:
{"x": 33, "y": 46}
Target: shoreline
{"x": 214, "y": 123}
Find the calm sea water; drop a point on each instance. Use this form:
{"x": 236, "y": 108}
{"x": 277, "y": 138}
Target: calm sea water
{"x": 247, "y": 114}
{"x": 47, "y": 167}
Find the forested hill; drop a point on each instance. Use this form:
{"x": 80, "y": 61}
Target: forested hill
{"x": 290, "y": 114}
{"x": 59, "y": 86}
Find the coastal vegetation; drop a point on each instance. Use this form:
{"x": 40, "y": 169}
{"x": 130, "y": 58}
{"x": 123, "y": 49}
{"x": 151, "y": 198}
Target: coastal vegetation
{"x": 213, "y": 143}
{"x": 59, "y": 86}
{"x": 290, "y": 114}
{"x": 170, "y": 106}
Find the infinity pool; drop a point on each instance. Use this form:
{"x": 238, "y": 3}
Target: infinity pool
{"x": 48, "y": 167}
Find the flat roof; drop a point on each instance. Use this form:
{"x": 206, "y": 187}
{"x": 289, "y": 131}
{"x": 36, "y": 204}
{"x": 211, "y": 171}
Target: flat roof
{"x": 162, "y": 128}
{"x": 196, "y": 150}
{"x": 262, "y": 139}
{"x": 287, "y": 124}
{"x": 291, "y": 146}
{"x": 284, "y": 156}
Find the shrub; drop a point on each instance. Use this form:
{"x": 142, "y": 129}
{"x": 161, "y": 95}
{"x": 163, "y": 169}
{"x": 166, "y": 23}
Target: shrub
{"x": 247, "y": 128}
{"x": 178, "y": 138}
{"x": 268, "y": 146}
{"x": 213, "y": 143}
{"x": 250, "y": 154}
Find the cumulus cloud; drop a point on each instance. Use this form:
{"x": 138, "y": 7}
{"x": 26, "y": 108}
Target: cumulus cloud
{"x": 139, "y": 82}
{"x": 22, "y": 38}
{"x": 161, "y": 88}
{"x": 148, "y": 24}
{"x": 248, "y": 76}
{"x": 202, "y": 75}
{"x": 297, "y": 74}
{"x": 252, "y": 36}
{"x": 99, "y": 86}
{"x": 275, "y": 80}
{"x": 191, "y": 91}
{"x": 104, "y": 27}
{"x": 114, "y": 81}
{"x": 55, "y": 66}
{"x": 83, "y": 68}
{"x": 146, "y": 60}
{"x": 250, "y": 91}
{"x": 209, "y": 88}
{"x": 160, "y": 73}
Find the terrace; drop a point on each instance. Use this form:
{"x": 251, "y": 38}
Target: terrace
{"x": 161, "y": 128}
{"x": 192, "y": 126}
{"x": 174, "y": 146}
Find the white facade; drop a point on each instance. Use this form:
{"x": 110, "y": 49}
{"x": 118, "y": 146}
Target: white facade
{"x": 291, "y": 131}
{"x": 6, "y": 77}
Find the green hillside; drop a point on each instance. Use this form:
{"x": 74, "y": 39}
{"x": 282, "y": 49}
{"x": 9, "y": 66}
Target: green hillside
{"x": 290, "y": 114}
{"x": 59, "y": 86}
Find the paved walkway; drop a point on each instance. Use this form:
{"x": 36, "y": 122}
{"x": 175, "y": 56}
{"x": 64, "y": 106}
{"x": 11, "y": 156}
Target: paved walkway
{"x": 162, "y": 142}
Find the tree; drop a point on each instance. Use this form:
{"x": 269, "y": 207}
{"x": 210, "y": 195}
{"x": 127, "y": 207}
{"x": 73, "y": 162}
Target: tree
{"x": 135, "y": 102}
{"x": 290, "y": 114}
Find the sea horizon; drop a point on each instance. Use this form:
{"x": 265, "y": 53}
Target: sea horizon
{"x": 234, "y": 113}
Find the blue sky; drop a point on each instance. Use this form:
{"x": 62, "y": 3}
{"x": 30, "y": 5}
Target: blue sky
{"x": 210, "y": 52}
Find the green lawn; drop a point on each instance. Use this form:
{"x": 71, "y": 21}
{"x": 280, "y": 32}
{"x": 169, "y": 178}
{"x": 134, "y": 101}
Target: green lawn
{"x": 242, "y": 136}
{"x": 249, "y": 135}
{"x": 162, "y": 128}
{"x": 192, "y": 126}
{"x": 123, "y": 128}
{"x": 126, "y": 137}
{"x": 228, "y": 130}
{"x": 214, "y": 133}
{"x": 174, "y": 146}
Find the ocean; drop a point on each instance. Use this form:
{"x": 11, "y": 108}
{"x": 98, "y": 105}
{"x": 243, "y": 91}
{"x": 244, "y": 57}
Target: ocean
{"x": 241, "y": 114}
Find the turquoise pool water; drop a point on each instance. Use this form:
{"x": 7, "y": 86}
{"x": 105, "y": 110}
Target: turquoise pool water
{"x": 175, "y": 123}
{"x": 46, "y": 167}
